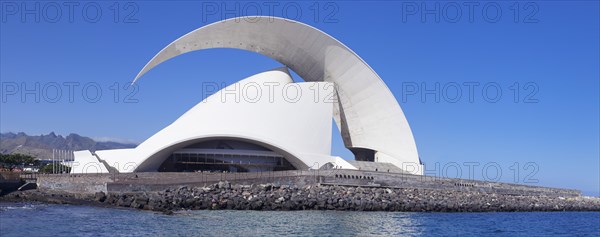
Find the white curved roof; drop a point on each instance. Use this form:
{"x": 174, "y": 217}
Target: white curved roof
{"x": 270, "y": 120}
{"x": 368, "y": 114}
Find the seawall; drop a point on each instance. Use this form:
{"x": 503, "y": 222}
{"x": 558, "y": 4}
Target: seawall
{"x": 269, "y": 196}
{"x": 152, "y": 182}
{"x": 301, "y": 190}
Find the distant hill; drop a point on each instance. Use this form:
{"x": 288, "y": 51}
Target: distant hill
{"x": 41, "y": 146}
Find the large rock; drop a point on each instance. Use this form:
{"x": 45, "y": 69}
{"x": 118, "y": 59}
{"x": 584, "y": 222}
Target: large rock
{"x": 100, "y": 196}
{"x": 224, "y": 185}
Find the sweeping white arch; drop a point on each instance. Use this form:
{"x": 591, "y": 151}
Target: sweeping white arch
{"x": 367, "y": 114}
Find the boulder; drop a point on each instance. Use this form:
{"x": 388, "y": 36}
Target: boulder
{"x": 100, "y": 196}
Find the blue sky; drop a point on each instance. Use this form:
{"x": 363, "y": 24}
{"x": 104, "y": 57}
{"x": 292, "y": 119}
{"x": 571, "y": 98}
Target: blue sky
{"x": 548, "y": 52}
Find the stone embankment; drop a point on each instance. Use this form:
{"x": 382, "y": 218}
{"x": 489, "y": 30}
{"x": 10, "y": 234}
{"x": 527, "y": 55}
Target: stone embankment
{"x": 223, "y": 195}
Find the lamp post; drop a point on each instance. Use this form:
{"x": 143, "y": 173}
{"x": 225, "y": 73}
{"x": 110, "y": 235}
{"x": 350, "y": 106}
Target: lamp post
{"x": 52, "y": 162}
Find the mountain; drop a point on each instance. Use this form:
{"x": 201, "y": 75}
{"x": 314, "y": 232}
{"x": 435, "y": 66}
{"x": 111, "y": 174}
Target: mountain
{"x": 41, "y": 146}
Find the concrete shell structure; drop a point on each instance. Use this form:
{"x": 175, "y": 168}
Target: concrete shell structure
{"x": 263, "y": 109}
{"x": 371, "y": 121}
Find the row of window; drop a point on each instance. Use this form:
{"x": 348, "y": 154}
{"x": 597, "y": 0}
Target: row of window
{"x": 344, "y": 176}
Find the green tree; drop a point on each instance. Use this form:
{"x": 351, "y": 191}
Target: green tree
{"x": 17, "y": 159}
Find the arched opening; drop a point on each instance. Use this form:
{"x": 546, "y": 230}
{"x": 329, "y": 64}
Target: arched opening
{"x": 225, "y": 155}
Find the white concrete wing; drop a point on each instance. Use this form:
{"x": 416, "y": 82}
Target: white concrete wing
{"x": 86, "y": 163}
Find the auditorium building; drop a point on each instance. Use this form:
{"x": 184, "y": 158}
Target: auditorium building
{"x": 268, "y": 122}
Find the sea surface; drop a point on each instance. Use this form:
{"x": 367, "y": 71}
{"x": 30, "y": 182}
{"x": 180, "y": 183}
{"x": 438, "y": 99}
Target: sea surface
{"x": 33, "y": 219}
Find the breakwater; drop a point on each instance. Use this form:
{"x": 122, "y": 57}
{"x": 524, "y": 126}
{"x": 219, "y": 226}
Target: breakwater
{"x": 154, "y": 182}
{"x": 301, "y": 190}
{"x": 269, "y": 196}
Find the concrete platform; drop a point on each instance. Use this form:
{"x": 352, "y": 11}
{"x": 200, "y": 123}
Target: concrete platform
{"x": 146, "y": 182}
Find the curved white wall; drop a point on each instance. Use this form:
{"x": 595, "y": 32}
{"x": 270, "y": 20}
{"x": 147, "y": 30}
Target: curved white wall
{"x": 298, "y": 127}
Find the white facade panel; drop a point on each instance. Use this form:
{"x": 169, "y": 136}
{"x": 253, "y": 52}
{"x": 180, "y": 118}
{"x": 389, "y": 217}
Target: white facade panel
{"x": 86, "y": 163}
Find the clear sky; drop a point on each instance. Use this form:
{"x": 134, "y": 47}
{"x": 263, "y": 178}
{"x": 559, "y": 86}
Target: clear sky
{"x": 542, "y": 56}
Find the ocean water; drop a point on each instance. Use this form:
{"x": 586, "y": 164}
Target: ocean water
{"x": 27, "y": 219}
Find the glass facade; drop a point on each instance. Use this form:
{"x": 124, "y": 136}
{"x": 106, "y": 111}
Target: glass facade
{"x": 197, "y": 160}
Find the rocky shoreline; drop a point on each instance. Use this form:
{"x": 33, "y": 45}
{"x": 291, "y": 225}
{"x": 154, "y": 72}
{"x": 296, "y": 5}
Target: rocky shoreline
{"x": 274, "y": 197}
